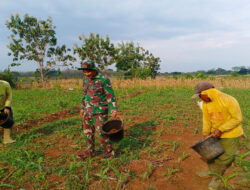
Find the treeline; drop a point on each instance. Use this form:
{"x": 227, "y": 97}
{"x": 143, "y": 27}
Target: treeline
{"x": 235, "y": 71}
{"x": 35, "y": 41}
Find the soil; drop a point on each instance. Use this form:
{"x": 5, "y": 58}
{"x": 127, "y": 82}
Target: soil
{"x": 113, "y": 131}
{"x": 160, "y": 177}
{"x": 65, "y": 113}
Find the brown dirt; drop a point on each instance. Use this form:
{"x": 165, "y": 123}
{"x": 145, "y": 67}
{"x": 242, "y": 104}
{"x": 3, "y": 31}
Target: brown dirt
{"x": 113, "y": 131}
{"x": 65, "y": 113}
{"x": 159, "y": 178}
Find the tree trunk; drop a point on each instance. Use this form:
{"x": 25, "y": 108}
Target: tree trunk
{"x": 42, "y": 73}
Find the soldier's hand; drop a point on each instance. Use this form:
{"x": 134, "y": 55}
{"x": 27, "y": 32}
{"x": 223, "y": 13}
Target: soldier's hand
{"x": 6, "y": 111}
{"x": 217, "y": 133}
{"x": 114, "y": 115}
{"x": 81, "y": 112}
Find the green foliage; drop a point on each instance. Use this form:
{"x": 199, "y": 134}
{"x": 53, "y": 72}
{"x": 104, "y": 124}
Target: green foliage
{"x": 200, "y": 75}
{"x": 8, "y": 76}
{"x": 188, "y": 76}
{"x": 135, "y": 61}
{"x": 35, "y": 40}
{"x": 142, "y": 73}
{"x": 48, "y": 151}
{"x": 235, "y": 74}
{"x": 97, "y": 49}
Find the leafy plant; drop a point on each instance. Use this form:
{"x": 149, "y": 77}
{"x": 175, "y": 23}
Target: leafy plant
{"x": 148, "y": 172}
{"x": 35, "y": 40}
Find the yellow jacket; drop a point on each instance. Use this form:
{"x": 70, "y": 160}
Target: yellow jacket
{"x": 5, "y": 94}
{"x": 223, "y": 113}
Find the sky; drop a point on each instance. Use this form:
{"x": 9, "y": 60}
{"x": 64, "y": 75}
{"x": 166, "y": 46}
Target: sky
{"x": 187, "y": 35}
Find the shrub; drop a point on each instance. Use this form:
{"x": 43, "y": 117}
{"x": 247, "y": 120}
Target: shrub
{"x": 8, "y": 76}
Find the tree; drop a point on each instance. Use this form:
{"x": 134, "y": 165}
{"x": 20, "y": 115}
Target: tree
{"x": 35, "y": 40}
{"x": 151, "y": 63}
{"x": 243, "y": 71}
{"x": 97, "y": 49}
{"x": 136, "y": 61}
{"x": 129, "y": 57}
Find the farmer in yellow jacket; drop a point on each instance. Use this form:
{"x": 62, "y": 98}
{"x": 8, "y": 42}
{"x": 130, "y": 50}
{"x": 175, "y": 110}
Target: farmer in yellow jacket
{"x": 5, "y": 107}
{"x": 222, "y": 119}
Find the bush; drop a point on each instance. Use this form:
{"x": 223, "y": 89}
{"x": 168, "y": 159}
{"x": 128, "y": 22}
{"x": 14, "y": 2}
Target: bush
{"x": 8, "y": 76}
{"x": 234, "y": 74}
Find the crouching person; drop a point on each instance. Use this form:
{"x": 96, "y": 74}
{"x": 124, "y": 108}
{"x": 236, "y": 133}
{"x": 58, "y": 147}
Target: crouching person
{"x": 5, "y": 107}
{"x": 98, "y": 101}
{"x": 222, "y": 118}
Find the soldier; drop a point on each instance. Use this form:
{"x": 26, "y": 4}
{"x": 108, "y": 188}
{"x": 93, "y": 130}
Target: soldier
{"x": 222, "y": 119}
{"x": 98, "y": 100}
{"x": 5, "y": 103}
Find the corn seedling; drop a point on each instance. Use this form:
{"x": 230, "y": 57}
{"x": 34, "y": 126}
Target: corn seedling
{"x": 225, "y": 179}
{"x": 121, "y": 178}
{"x": 175, "y": 145}
{"x": 148, "y": 172}
{"x": 74, "y": 164}
{"x": 183, "y": 156}
{"x": 171, "y": 172}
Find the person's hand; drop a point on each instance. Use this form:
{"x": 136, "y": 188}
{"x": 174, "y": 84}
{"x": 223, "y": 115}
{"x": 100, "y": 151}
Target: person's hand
{"x": 6, "y": 111}
{"x": 114, "y": 115}
{"x": 217, "y": 133}
{"x": 81, "y": 112}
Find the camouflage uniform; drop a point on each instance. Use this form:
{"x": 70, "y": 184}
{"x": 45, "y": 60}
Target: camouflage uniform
{"x": 97, "y": 102}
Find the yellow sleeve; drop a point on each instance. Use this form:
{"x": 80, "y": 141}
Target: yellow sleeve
{"x": 236, "y": 116}
{"x": 206, "y": 130}
{"x": 8, "y": 96}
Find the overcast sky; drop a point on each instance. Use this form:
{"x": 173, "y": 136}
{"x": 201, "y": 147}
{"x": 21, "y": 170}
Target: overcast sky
{"x": 188, "y": 35}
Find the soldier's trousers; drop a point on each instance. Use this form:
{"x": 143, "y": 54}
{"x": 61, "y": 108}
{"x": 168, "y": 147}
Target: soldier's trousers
{"x": 224, "y": 161}
{"x": 92, "y": 124}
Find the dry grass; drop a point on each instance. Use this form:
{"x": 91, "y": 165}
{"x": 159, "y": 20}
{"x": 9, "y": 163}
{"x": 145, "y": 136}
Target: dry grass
{"x": 158, "y": 83}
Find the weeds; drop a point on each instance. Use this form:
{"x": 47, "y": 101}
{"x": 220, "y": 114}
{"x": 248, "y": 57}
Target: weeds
{"x": 225, "y": 179}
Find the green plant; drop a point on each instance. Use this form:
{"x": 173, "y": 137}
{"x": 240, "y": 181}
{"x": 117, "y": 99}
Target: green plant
{"x": 183, "y": 156}
{"x": 175, "y": 145}
{"x": 171, "y": 172}
{"x": 147, "y": 173}
{"x": 225, "y": 179}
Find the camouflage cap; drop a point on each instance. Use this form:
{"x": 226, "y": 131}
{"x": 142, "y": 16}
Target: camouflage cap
{"x": 204, "y": 85}
{"x": 88, "y": 65}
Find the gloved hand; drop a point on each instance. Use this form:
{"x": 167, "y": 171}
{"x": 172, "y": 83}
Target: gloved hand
{"x": 114, "y": 115}
{"x": 6, "y": 111}
{"x": 217, "y": 133}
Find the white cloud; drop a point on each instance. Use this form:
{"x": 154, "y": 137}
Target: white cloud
{"x": 185, "y": 34}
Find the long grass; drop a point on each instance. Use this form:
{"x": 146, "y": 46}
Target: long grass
{"x": 158, "y": 83}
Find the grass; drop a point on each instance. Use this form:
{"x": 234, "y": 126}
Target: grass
{"x": 44, "y": 157}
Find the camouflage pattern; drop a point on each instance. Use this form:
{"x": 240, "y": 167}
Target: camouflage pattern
{"x": 90, "y": 125}
{"x": 97, "y": 102}
{"x": 88, "y": 65}
{"x": 98, "y": 96}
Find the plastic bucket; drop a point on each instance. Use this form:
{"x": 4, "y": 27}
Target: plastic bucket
{"x": 209, "y": 148}
{"x": 5, "y": 120}
{"x": 114, "y": 130}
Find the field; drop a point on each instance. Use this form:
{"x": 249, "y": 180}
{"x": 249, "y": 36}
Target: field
{"x": 161, "y": 123}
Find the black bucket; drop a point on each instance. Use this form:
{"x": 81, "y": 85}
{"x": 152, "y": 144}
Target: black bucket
{"x": 209, "y": 148}
{"x": 114, "y": 130}
{"x": 5, "y": 120}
